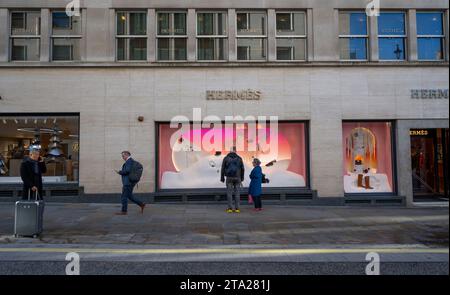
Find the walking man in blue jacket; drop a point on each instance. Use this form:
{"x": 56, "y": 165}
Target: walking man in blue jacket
{"x": 128, "y": 186}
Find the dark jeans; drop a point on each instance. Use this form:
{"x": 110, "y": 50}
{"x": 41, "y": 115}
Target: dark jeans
{"x": 127, "y": 193}
{"x": 257, "y": 201}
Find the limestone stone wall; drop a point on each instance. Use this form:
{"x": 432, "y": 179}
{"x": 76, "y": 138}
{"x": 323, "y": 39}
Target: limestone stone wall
{"x": 109, "y": 100}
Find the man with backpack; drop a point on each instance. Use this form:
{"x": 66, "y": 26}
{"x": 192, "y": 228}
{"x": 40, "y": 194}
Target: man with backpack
{"x": 233, "y": 170}
{"x": 131, "y": 174}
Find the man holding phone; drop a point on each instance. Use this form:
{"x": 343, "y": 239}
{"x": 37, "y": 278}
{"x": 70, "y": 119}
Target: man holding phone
{"x": 128, "y": 185}
{"x": 31, "y": 171}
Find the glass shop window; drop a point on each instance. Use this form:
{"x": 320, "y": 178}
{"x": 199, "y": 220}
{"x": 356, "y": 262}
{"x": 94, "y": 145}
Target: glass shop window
{"x": 367, "y": 149}
{"x": 56, "y": 136}
{"x": 184, "y": 162}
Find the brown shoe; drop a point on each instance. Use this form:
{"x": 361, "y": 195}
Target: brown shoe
{"x": 142, "y": 208}
{"x": 120, "y": 213}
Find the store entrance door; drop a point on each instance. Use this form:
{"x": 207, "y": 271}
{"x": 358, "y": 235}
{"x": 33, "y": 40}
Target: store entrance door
{"x": 429, "y": 156}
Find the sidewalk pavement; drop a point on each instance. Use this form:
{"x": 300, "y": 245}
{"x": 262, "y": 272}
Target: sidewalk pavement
{"x": 204, "y": 240}
{"x": 193, "y": 224}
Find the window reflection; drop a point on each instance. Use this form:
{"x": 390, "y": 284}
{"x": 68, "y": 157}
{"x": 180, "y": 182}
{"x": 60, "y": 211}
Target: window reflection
{"x": 392, "y": 36}
{"x": 430, "y": 36}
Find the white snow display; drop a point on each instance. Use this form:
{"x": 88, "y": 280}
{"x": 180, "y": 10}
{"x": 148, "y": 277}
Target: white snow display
{"x": 205, "y": 173}
{"x": 378, "y": 181}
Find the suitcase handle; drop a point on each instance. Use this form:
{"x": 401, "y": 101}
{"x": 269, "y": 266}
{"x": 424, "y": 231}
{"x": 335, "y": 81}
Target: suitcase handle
{"x": 37, "y": 195}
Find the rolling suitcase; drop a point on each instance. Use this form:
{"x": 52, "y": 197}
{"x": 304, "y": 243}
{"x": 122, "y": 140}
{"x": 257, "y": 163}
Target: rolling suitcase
{"x": 29, "y": 217}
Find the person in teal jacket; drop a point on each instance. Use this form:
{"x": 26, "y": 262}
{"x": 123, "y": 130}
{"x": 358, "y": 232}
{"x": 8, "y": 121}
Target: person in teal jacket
{"x": 255, "y": 188}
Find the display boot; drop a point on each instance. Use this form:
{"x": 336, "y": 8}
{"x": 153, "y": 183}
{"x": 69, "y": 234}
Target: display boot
{"x": 367, "y": 182}
{"x": 360, "y": 180}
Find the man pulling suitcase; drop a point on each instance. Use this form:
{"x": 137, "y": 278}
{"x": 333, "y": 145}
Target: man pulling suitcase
{"x": 29, "y": 213}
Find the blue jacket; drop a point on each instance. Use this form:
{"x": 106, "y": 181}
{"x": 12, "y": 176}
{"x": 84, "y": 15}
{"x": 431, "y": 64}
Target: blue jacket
{"x": 126, "y": 168}
{"x": 255, "y": 182}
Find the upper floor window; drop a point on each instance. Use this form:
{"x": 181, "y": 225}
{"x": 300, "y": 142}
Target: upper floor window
{"x": 291, "y": 35}
{"x": 25, "y": 35}
{"x": 66, "y": 36}
{"x": 131, "y": 35}
{"x": 392, "y": 36}
{"x": 212, "y": 36}
{"x": 353, "y": 35}
{"x": 430, "y": 35}
{"x": 172, "y": 36}
{"x": 251, "y": 36}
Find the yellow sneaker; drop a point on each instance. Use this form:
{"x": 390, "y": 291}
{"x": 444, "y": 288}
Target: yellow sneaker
{"x": 229, "y": 210}
{"x": 237, "y": 211}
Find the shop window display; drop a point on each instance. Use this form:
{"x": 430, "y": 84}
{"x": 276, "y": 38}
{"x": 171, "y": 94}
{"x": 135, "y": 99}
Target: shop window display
{"x": 367, "y": 157}
{"x": 57, "y": 138}
{"x": 191, "y": 167}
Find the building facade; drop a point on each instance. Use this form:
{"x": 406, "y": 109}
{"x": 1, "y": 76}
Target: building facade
{"x": 361, "y": 100}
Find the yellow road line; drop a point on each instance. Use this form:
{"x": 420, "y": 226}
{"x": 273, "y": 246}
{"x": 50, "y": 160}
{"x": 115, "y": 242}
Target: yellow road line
{"x": 230, "y": 251}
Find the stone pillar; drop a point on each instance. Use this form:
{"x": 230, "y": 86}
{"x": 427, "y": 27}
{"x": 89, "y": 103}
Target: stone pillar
{"x": 373, "y": 39}
{"x": 4, "y": 35}
{"x": 45, "y": 35}
{"x": 326, "y": 134}
{"x": 100, "y": 34}
{"x": 326, "y": 152}
{"x": 310, "y": 35}
{"x": 447, "y": 35}
{"x": 271, "y": 35}
{"x": 412, "y": 36}
{"x": 326, "y": 40}
{"x": 151, "y": 35}
{"x": 232, "y": 35}
{"x": 83, "y": 44}
{"x": 404, "y": 178}
{"x": 191, "y": 31}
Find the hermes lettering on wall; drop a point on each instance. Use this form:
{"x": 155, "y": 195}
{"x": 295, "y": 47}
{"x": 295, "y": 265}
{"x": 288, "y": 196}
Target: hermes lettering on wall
{"x": 248, "y": 94}
{"x": 429, "y": 93}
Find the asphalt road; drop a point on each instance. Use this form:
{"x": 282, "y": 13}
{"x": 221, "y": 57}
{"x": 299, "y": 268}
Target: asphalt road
{"x": 221, "y": 268}
{"x": 236, "y": 260}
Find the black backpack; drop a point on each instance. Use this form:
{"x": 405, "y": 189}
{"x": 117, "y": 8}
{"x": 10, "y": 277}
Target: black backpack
{"x": 135, "y": 172}
{"x": 233, "y": 167}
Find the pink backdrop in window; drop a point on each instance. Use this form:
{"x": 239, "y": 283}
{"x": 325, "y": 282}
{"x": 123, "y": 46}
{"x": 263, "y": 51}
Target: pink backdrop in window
{"x": 382, "y": 132}
{"x": 291, "y": 140}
